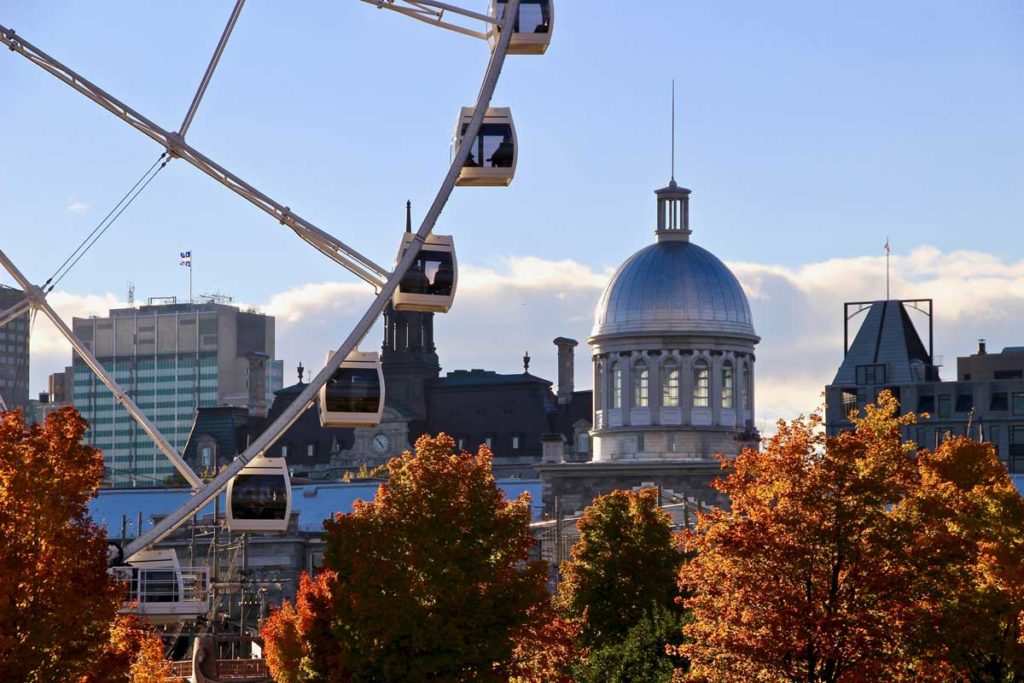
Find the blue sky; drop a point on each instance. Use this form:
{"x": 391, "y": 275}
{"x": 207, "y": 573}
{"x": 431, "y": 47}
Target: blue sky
{"x": 808, "y": 131}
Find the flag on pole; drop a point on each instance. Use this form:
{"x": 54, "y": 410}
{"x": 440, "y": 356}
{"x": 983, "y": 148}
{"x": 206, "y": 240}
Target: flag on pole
{"x": 887, "y": 249}
{"x": 186, "y": 259}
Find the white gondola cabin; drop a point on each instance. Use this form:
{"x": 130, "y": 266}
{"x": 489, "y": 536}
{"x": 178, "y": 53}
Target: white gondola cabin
{"x": 429, "y": 284}
{"x": 260, "y": 496}
{"x": 532, "y": 31}
{"x": 160, "y": 591}
{"x": 354, "y": 395}
{"x": 492, "y": 155}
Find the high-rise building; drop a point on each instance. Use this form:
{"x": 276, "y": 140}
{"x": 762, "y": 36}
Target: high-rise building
{"x": 171, "y": 359}
{"x": 14, "y": 346}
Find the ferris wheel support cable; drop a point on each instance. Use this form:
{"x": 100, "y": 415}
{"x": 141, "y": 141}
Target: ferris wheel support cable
{"x": 214, "y": 60}
{"x": 174, "y": 143}
{"x": 105, "y": 219}
{"x": 93, "y": 237}
{"x": 37, "y": 298}
{"x": 306, "y": 397}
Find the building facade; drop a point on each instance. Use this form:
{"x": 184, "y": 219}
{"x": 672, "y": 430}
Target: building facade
{"x": 985, "y": 401}
{"x": 14, "y": 352}
{"x": 171, "y": 359}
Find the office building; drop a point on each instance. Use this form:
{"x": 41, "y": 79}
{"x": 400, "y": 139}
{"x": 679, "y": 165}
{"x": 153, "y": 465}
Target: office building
{"x": 172, "y": 359}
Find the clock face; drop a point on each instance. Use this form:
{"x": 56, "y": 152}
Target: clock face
{"x": 380, "y": 443}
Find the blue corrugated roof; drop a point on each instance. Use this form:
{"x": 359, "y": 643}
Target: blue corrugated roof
{"x": 314, "y": 503}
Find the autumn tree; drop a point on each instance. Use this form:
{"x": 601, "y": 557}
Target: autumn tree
{"x": 545, "y": 649}
{"x": 56, "y": 600}
{"x": 806, "y": 577}
{"x": 431, "y": 581}
{"x": 58, "y": 605}
{"x": 857, "y": 557}
{"x": 969, "y": 551}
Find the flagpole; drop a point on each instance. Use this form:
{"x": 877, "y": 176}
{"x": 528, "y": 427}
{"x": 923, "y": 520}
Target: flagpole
{"x": 887, "y": 250}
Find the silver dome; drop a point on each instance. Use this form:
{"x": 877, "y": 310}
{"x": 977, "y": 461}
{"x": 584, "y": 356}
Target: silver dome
{"x": 673, "y": 287}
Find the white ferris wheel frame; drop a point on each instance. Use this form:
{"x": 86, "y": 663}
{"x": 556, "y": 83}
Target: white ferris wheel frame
{"x": 383, "y": 281}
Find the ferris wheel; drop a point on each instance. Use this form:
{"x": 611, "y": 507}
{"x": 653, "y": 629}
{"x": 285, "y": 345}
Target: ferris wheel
{"x": 349, "y": 389}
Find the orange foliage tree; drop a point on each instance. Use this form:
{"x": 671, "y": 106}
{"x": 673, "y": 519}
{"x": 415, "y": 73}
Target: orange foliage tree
{"x": 431, "y": 581}
{"x": 858, "y": 557}
{"x": 58, "y": 605}
{"x": 969, "y": 551}
{"x": 808, "y": 576}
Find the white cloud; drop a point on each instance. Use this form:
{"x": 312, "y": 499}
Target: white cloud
{"x": 77, "y": 207}
{"x": 525, "y": 302}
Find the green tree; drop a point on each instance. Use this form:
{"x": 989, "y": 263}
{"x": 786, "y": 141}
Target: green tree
{"x": 641, "y": 655}
{"x": 430, "y": 581}
{"x": 622, "y": 568}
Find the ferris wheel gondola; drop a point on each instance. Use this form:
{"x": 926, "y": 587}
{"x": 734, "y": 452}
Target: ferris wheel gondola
{"x": 493, "y": 152}
{"x": 429, "y": 285}
{"x": 532, "y": 32}
{"x": 260, "y": 496}
{"x": 354, "y": 395}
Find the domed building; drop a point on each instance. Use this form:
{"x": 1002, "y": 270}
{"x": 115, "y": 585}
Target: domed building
{"x": 673, "y": 349}
{"x": 673, "y": 360}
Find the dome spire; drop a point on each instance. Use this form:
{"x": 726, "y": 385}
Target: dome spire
{"x": 673, "y": 131}
{"x": 673, "y": 201}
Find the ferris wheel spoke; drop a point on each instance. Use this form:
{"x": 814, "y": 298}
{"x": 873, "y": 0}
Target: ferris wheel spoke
{"x": 434, "y": 13}
{"x": 342, "y": 254}
{"x": 214, "y": 60}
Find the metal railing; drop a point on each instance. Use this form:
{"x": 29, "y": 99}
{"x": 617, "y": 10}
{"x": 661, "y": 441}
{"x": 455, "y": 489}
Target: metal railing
{"x": 164, "y": 585}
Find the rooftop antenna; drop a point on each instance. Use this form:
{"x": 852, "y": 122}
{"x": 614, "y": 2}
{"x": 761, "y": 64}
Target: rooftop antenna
{"x": 673, "y": 130}
{"x": 131, "y": 294}
{"x": 887, "y": 251}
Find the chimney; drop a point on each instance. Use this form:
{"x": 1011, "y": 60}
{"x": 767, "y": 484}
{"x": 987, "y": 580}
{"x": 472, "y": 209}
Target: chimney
{"x": 566, "y": 368}
{"x": 552, "y": 448}
{"x": 257, "y": 381}
{"x": 981, "y": 347}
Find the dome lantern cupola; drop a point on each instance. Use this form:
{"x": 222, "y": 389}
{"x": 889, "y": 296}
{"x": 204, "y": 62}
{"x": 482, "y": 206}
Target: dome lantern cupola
{"x": 673, "y": 213}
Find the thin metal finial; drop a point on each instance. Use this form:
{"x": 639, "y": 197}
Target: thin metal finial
{"x": 408, "y": 215}
{"x": 673, "y": 130}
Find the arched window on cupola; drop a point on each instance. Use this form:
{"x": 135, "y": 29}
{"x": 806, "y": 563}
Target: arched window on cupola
{"x": 670, "y": 383}
{"x": 701, "y": 384}
{"x": 728, "y": 394}
{"x": 641, "y": 384}
{"x": 616, "y": 385}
